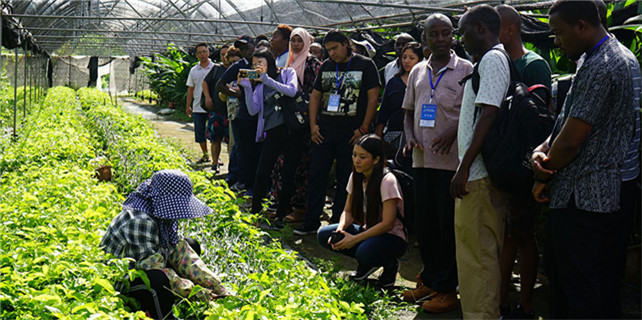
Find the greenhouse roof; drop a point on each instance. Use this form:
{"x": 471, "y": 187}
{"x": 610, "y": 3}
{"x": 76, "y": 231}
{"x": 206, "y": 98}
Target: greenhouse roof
{"x": 141, "y": 27}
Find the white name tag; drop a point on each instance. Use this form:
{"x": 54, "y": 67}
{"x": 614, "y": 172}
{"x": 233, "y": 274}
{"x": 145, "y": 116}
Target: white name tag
{"x": 333, "y": 102}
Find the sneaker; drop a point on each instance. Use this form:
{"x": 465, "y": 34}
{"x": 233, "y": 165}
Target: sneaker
{"x": 203, "y": 159}
{"x": 389, "y": 275}
{"x": 216, "y": 168}
{"x": 328, "y": 203}
{"x": 441, "y": 302}
{"x": 295, "y": 216}
{"x": 238, "y": 187}
{"x": 272, "y": 206}
{"x": 519, "y": 313}
{"x": 305, "y": 230}
{"x": 418, "y": 295}
{"x": 220, "y": 162}
{"x": 363, "y": 272}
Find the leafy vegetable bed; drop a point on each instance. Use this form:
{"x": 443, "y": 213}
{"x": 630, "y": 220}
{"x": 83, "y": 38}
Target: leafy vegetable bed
{"x": 52, "y": 210}
{"x": 54, "y": 214}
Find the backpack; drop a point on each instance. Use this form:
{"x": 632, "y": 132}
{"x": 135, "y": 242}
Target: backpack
{"x": 524, "y": 121}
{"x": 406, "y": 183}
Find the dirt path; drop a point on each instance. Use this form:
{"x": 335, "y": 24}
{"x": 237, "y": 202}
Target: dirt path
{"x": 309, "y": 248}
{"x": 183, "y": 132}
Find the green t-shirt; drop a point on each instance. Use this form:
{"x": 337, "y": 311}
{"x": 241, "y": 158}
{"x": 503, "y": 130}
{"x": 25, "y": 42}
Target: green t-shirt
{"x": 533, "y": 69}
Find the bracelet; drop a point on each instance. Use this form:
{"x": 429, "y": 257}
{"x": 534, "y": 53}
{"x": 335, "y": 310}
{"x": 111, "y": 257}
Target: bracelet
{"x": 362, "y": 131}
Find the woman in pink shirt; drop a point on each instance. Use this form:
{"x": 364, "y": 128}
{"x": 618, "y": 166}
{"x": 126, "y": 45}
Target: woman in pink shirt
{"x": 370, "y": 228}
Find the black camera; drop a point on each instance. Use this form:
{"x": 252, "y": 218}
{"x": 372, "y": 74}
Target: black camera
{"x": 336, "y": 237}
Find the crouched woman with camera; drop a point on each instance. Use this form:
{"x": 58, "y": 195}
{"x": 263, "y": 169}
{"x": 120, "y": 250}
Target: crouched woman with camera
{"x": 370, "y": 228}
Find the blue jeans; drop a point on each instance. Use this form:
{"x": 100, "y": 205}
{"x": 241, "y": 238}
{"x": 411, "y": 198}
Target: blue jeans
{"x": 377, "y": 251}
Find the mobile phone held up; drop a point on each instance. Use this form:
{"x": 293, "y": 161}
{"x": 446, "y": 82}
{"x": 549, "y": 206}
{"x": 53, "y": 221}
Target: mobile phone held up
{"x": 336, "y": 237}
{"x": 248, "y": 74}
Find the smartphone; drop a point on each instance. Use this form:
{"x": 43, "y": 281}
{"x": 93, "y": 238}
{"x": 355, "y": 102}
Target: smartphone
{"x": 248, "y": 73}
{"x": 336, "y": 237}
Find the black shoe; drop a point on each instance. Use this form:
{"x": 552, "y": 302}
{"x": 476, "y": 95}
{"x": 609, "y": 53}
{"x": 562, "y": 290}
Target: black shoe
{"x": 389, "y": 275}
{"x": 278, "y": 224}
{"x": 203, "y": 159}
{"x": 305, "y": 230}
{"x": 519, "y": 313}
{"x": 504, "y": 312}
{"x": 363, "y": 272}
{"x": 216, "y": 168}
{"x": 238, "y": 187}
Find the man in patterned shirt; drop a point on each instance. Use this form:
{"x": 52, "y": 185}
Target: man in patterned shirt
{"x": 581, "y": 170}
{"x": 480, "y": 208}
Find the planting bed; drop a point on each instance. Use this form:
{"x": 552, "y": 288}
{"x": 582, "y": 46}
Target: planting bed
{"x": 55, "y": 212}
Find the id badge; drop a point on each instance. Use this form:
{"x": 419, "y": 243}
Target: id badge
{"x": 333, "y": 102}
{"x": 428, "y": 115}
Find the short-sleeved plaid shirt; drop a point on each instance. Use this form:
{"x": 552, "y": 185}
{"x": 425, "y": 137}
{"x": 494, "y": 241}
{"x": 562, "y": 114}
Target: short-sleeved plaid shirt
{"x": 132, "y": 234}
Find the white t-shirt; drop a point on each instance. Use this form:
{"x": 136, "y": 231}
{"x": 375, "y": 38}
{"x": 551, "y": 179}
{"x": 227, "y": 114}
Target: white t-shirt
{"x": 195, "y": 79}
{"x": 391, "y": 69}
{"x": 282, "y": 59}
{"x": 494, "y": 73}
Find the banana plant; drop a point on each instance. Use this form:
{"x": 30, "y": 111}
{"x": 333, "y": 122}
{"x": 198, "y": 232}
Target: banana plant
{"x": 167, "y": 73}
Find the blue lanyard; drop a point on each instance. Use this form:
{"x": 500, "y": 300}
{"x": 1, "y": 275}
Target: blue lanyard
{"x": 597, "y": 45}
{"x": 434, "y": 86}
{"x": 340, "y": 81}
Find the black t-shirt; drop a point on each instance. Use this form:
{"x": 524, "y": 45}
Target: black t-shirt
{"x": 212, "y": 78}
{"x": 361, "y": 75}
{"x": 230, "y": 75}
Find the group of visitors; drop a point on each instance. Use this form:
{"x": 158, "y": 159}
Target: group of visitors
{"x": 436, "y": 110}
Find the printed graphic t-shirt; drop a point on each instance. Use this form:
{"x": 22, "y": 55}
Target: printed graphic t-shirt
{"x": 361, "y": 75}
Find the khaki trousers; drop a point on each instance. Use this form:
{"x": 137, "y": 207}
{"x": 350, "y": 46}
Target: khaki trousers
{"x": 479, "y": 233}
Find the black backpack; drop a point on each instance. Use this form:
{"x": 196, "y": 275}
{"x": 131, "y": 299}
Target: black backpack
{"x": 524, "y": 122}
{"x": 406, "y": 183}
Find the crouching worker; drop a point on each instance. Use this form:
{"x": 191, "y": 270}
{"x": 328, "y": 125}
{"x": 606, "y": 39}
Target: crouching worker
{"x": 370, "y": 228}
{"x": 147, "y": 231}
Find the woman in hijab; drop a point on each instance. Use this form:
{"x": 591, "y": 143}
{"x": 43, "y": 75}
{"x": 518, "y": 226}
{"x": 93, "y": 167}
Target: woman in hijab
{"x": 306, "y": 66}
{"x": 146, "y": 230}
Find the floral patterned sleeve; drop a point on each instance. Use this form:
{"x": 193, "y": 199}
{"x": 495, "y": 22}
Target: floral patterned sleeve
{"x": 312, "y": 66}
{"x": 184, "y": 268}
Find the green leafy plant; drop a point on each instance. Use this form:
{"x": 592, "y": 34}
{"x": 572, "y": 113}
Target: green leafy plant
{"x": 54, "y": 213}
{"x": 167, "y": 74}
{"x": 267, "y": 281}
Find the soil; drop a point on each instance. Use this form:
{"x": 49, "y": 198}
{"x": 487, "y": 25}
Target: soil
{"x": 308, "y": 247}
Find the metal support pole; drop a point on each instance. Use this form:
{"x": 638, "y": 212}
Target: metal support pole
{"x": 24, "y": 87}
{"x": 69, "y": 74}
{"x": 31, "y": 82}
{"x": 1, "y": 47}
{"x": 15, "y": 94}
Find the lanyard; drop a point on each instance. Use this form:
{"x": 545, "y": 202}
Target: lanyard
{"x": 597, "y": 45}
{"x": 340, "y": 81}
{"x": 434, "y": 86}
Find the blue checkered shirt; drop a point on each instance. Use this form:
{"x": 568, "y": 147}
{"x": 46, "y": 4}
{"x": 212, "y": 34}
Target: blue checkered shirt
{"x": 132, "y": 234}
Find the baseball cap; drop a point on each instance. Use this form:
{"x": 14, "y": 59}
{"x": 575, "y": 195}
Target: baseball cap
{"x": 243, "y": 40}
{"x": 369, "y": 48}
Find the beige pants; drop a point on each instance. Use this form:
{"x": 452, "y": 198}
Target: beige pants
{"x": 479, "y": 232}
